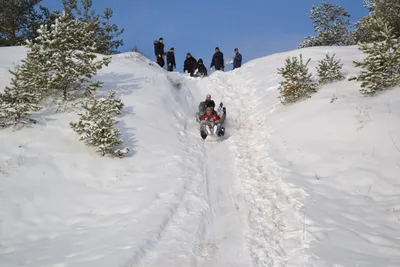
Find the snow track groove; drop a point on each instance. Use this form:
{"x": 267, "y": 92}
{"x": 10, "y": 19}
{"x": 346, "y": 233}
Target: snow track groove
{"x": 275, "y": 218}
{"x": 168, "y": 245}
{"x": 202, "y": 225}
{"x": 223, "y": 214}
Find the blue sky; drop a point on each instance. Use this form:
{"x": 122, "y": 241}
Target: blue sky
{"x": 256, "y": 27}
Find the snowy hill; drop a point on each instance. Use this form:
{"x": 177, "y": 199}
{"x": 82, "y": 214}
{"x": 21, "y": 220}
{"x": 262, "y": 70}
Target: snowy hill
{"x": 312, "y": 184}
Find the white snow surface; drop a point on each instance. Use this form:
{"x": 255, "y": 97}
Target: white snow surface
{"x": 311, "y": 184}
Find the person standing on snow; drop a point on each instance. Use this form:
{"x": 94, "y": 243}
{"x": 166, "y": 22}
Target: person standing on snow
{"x": 190, "y": 64}
{"x": 171, "y": 59}
{"x": 218, "y": 60}
{"x": 237, "y": 59}
{"x": 200, "y": 70}
{"x": 159, "y": 52}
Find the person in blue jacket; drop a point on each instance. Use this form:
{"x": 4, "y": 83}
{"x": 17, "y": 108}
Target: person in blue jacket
{"x": 237, "y": 59}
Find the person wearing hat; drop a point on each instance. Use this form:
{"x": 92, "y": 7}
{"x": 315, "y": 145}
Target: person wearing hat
{"x": 159, "y": 52}
{"x": 237, "y": 59}
{"x": 189, "y": 64}
{"x": 211, "y": 119}
{"x": 218, "y": 60}
{"x": 171, "y": 59}
{"x": 208, "y": 103}
{"x": 200, "y": 70}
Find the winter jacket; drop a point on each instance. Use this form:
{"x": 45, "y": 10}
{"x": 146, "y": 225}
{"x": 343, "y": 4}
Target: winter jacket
{"x": 218, "y": 61}
{"x": 159, "y": 48}
{"x": 206, "y": 104}
{"x": 171, "y": 59}
{"x": 189, "y": 65}
{"x": 200, "y": 70}
{"x": 212, "y": 118}
{"x": 237, "y": 61}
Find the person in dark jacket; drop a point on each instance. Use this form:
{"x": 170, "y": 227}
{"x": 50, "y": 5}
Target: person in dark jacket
{"x": 208, "y": 103}
{"x": 159, "y": 52}
{"x": 200, "y": 70}
{"x": 171, "y": 59}
{"x": 218, "y": 60}
{"x": 190, "y": 64}
{"x": 237, "y": 59}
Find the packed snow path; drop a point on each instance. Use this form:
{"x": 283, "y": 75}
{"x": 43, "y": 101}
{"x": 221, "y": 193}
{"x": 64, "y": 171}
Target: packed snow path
{"x": 233, "y": 208}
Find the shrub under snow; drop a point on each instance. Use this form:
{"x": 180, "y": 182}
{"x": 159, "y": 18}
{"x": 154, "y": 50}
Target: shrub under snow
{"x": 381, "y": 67}
{"x": 329, "y": 69}
{"x": 297, "y": 82}
{"x": 22, "y": 97}
{"x": 96, "y": 125}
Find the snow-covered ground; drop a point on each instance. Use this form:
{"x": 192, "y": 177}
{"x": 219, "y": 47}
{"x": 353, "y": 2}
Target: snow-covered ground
{"x": 312, "y": 184}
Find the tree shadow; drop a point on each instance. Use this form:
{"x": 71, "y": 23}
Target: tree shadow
{"x": 122, "y": 84}
{"x": 128, "y": 136}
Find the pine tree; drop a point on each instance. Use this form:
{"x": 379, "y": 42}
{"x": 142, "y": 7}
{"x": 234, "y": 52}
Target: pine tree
{"x": 66, "y": 69}
{"x": 331, "y": 25}
{"x": 111, "y": 104}
{"x": 329, "y": 69}
{"x": 21, "y": 99}
{"x": 297, "y": 83}
{"x": 107, "y": 43}
{"x": 370, "y": 5}
{"x": 17, "y": 21}
{"x": 136, "y": 49}
{"x": 105, "y": 33}
{"x": 381, "y": 67}
{"x": 386, "y": 10}
{"x": 96, "y": 125}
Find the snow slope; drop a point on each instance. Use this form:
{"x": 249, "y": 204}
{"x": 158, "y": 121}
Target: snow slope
{"x": 312, "y": 184}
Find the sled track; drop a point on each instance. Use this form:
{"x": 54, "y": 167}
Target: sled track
{"x": 185, "y": 207}
{"x": 275, "y": 218}
{"x": 230, "y": 207}
{"x": 202, "y": 226}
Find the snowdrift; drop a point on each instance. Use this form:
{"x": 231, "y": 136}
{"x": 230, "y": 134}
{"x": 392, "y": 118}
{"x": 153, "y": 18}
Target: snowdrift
{"x": 311, "y": 184}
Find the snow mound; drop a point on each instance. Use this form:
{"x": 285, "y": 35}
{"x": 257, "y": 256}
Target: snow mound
{"x": 310, "y": 184}
{"x": 342, "y": 148}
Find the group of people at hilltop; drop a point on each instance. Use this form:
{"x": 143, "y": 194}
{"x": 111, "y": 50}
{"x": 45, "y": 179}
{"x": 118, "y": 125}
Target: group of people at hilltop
{"x": 192, "y": 66}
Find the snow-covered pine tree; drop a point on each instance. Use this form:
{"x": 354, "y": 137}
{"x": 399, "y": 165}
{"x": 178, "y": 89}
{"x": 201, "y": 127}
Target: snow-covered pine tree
{"x": 96, "y": 125}
{"x": 381, "y": 67}
{"x": 68, "y": 61}
{"x": 329, "y": 69}
{"x": 106, "y": 40}
{"x": 18, "y": 21}
{"x": 389, "y": 10}
{"x": 331, "y": 25}
{"x": 370, "y": 5}
{"x": 297, "y": 83}
{"x": 20, "y": 99}
{"x": 105, "y": 34}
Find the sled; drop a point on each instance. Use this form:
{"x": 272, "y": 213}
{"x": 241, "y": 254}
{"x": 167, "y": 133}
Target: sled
{"x": 210, "y": 131}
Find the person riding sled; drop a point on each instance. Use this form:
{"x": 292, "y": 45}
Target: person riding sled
{"x": 211, "y": 122}
{"x": 205, "y": 104}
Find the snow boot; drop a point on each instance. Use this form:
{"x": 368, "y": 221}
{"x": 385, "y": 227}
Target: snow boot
{"x": 221, "y": 132}
{"x": 203, "y": 135}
